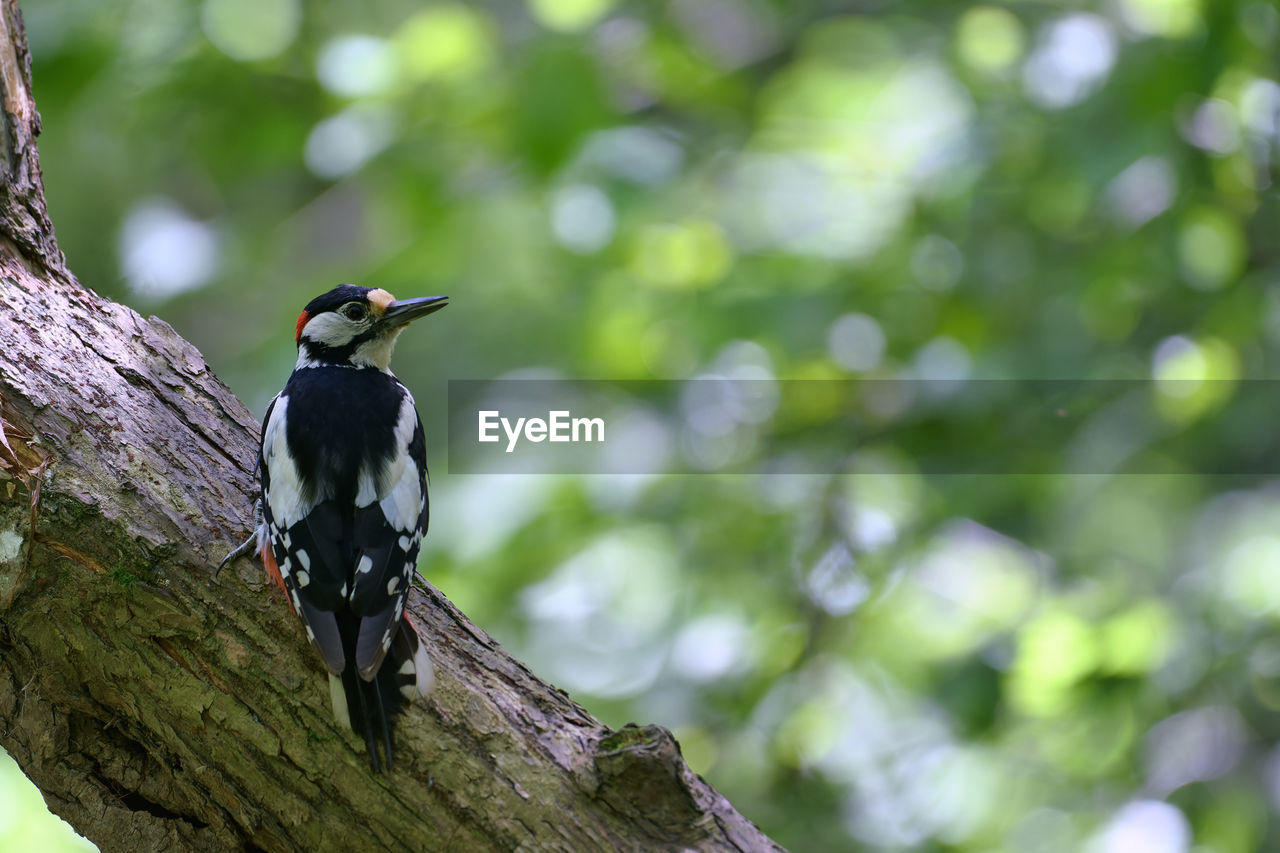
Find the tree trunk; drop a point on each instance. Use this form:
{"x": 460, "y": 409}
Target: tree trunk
{"x": 159, "y": 708}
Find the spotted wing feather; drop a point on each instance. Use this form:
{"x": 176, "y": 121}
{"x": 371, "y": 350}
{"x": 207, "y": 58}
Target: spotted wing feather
{"x": 388, "y": 533}
{"x": 302, "y": 551}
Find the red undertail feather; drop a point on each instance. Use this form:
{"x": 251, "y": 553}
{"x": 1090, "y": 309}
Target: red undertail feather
{"x": 273, "y": 571}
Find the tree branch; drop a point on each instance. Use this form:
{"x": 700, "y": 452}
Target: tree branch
{"x": 157, "y": 708}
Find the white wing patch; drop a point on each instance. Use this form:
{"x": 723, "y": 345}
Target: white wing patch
{"x": 285, "y": 493}
{"x": 368, "y": 488}
{"x": 375, "y": 485}
{"x": 395, "y": 486}
{"x": 403, "y": 503}
{"x": 407, "y": 424}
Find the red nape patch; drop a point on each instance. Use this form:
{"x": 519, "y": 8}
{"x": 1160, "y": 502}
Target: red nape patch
{"x": 302, "y": 322}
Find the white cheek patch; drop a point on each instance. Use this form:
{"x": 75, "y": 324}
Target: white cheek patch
{"x": 330, "y": 329}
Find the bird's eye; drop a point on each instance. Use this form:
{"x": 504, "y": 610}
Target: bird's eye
{"x": 354, "y": 311}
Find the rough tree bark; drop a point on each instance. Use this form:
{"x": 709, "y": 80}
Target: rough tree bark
{"x": 157, "y": 708}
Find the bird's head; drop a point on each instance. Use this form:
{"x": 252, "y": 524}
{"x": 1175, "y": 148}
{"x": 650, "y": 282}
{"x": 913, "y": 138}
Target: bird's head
{"x": 357, "y": 326}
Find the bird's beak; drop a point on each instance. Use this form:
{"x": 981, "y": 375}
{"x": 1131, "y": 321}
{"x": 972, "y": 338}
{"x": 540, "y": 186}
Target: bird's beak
{"x": 404, "y": 311}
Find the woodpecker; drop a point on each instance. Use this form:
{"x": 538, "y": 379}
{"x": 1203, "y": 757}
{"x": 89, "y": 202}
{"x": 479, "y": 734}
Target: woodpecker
{"x": 343, "y": 504}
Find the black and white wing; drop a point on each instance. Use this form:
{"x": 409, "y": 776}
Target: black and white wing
{"x": 390, "y": 519}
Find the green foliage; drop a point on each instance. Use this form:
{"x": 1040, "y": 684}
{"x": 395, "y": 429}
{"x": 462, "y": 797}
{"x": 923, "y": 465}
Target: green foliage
{"x": 862, "y": 654}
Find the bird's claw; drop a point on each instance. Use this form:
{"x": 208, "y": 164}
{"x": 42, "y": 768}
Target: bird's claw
{"x": 248, "y": 545}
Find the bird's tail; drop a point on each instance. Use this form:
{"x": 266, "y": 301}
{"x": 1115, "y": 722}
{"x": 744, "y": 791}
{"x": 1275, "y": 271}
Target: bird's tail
{"x": 368, "y": 707}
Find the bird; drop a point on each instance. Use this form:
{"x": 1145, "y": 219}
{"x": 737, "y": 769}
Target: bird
{"x": 342, "y": 505}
